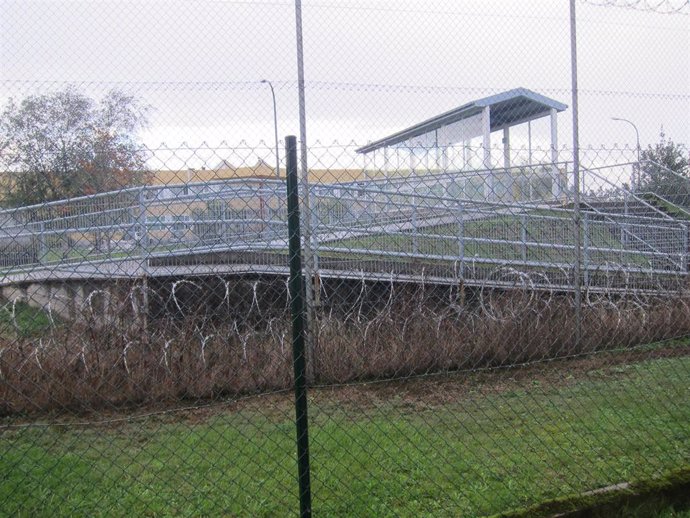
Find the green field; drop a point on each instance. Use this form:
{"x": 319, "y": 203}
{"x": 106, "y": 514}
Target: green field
{"x": 471, "y": 444}
{"x": 21, "y": 320}
{"x": 508, "y": 232}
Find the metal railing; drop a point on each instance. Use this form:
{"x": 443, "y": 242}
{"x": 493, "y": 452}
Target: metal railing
{"x": 400, "y": 219}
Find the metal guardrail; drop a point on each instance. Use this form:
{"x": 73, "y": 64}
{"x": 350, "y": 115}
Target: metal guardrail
{"x": 352, "y": 218}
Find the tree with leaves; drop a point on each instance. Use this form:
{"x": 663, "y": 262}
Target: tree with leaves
{"x": 64, "y": 144}
{"x": 665, "y": 168}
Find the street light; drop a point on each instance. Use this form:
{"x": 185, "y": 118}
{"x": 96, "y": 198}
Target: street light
{"x": 637, "y": 136}
{"x": 275, "y": 124}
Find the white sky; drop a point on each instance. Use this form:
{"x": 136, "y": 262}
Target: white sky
{"x": 372, "y": 67}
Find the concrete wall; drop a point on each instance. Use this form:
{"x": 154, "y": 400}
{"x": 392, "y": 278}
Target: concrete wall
{"x": 67, "y": 299}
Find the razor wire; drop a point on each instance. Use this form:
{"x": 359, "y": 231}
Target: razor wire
{"x": 655, "y": 6}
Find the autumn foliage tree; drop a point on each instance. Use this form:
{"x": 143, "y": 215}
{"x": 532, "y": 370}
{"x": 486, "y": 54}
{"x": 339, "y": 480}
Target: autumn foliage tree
{"x": 65, "y": 144}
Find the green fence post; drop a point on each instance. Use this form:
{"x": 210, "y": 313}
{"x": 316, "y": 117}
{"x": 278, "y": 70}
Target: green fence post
{"x": 297, "y": 288}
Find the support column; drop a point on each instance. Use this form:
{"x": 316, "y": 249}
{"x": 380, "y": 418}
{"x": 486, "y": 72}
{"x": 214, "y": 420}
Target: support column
{"x": 486, "y": 144}
{"x": 386, "y": 173}
{"x": 506, "y": 147}
{"x": 529, "y": 142}
{"x": 556, "y": 186}
{"x": 507, "y": 177}
{"x": 367, "y": 161}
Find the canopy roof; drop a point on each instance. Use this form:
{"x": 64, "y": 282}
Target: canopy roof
{"x": 506, "y": 109}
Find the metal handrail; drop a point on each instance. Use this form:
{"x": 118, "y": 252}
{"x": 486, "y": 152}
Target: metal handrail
{"x": 629, "y": 193}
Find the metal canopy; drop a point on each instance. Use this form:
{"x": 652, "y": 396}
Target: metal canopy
{"x": 507, "y": 109}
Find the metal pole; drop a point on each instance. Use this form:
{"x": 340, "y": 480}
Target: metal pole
{"x": 144, "y": 249}
{"x": 684, "y": 253}
{"x": 297, "y": 288}
{"x": 577, "y": 266}
{"x": 415, "y": 240}
{"x": 306, "y": 222}
{"x": 585, "y": 260}
{"x": 461, "y": 238}
{"x": 529, "y": 142}
{"x": 636, "y": 175}
{"x": 275, "y": 124}
{"x": 523, "y": 236}
{"x": 42, "y": 244}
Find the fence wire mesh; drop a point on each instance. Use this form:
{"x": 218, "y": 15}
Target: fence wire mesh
{"x": 496, "y": 316}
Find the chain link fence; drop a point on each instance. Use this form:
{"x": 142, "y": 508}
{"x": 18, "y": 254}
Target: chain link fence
{"x": 495, "y": 314}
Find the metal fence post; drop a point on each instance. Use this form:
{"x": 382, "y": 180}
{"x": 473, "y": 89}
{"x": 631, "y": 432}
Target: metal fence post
{"x": 309, "y": 266}
{"x": 523, "y": 237}
{"x": 142, "y": 229}
{"x": 144, "y": 249}
{"x": 684, "y": 253}
{"x": 624, "y": 225}
{"x": 315, "y": 224}
{"x": 461, "y": 238}
{"x": 577, "y": 266}
{"x": 297, "y": 289}
{"x": 42, "y": 243}
{"x": 585, "y": 251}
{"x": 415, "y": 240}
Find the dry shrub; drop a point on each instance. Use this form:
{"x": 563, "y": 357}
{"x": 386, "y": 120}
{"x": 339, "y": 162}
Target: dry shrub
{"x": 122, "y": 359}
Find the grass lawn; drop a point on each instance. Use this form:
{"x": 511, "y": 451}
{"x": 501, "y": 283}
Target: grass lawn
{"x": 464, "y": 444}
{"x": 676, "y": 211}
{"x": 27, "y": 321}
{"x": 444, "y": 240}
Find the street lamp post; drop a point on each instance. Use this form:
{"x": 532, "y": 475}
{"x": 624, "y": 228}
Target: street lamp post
{"x": 636, "y": 178}
{"x": 275, "y": 124}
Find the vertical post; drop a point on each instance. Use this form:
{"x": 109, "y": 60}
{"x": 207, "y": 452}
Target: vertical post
{"x": 461, "y": 239}
{"x": 275, "y": 124}
{"x": 315, "y": 223}
{"x": 386, "y": 164}
{"x": 486, "y": 136}
{"x": 306, "y": 227}
{"x": 506, "y": 148}
{"x": 624, "y": 224}
{"x": 299, "y": 359}
{"x": 368, "y": 165}
{"x": 684, "y": 253}
{"x": 437, "y": 152}
{"x": 585, "y": 247}
{"x": 529, "y": 142}
{"x": 42, "y": 243}
{"x": 144, "y": 250}
{"x": 555, "y": 186}
{"x": 577, "y": 266}
{"x": 415, "y": 240}
{"x": 142, "y": 229}
{"x": 507, "y": 190}
{"x": 486, "y": 145}
{"x": 523, "y": 237}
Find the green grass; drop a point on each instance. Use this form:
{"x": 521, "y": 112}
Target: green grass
{"x": 418, "y": 448}
{"x": 27, "y": 322}
{"x": 671, "y": 209}
{"x": 443, "y": 240}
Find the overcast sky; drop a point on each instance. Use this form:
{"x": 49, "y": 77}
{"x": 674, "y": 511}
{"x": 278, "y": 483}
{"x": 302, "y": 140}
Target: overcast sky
{"x": 372, "y": 67}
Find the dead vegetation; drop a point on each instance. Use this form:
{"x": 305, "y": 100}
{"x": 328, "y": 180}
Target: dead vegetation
{"x": 115, "y": 356}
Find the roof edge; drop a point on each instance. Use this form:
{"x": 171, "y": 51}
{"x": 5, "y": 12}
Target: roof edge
{"x": 457, "y": 114}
